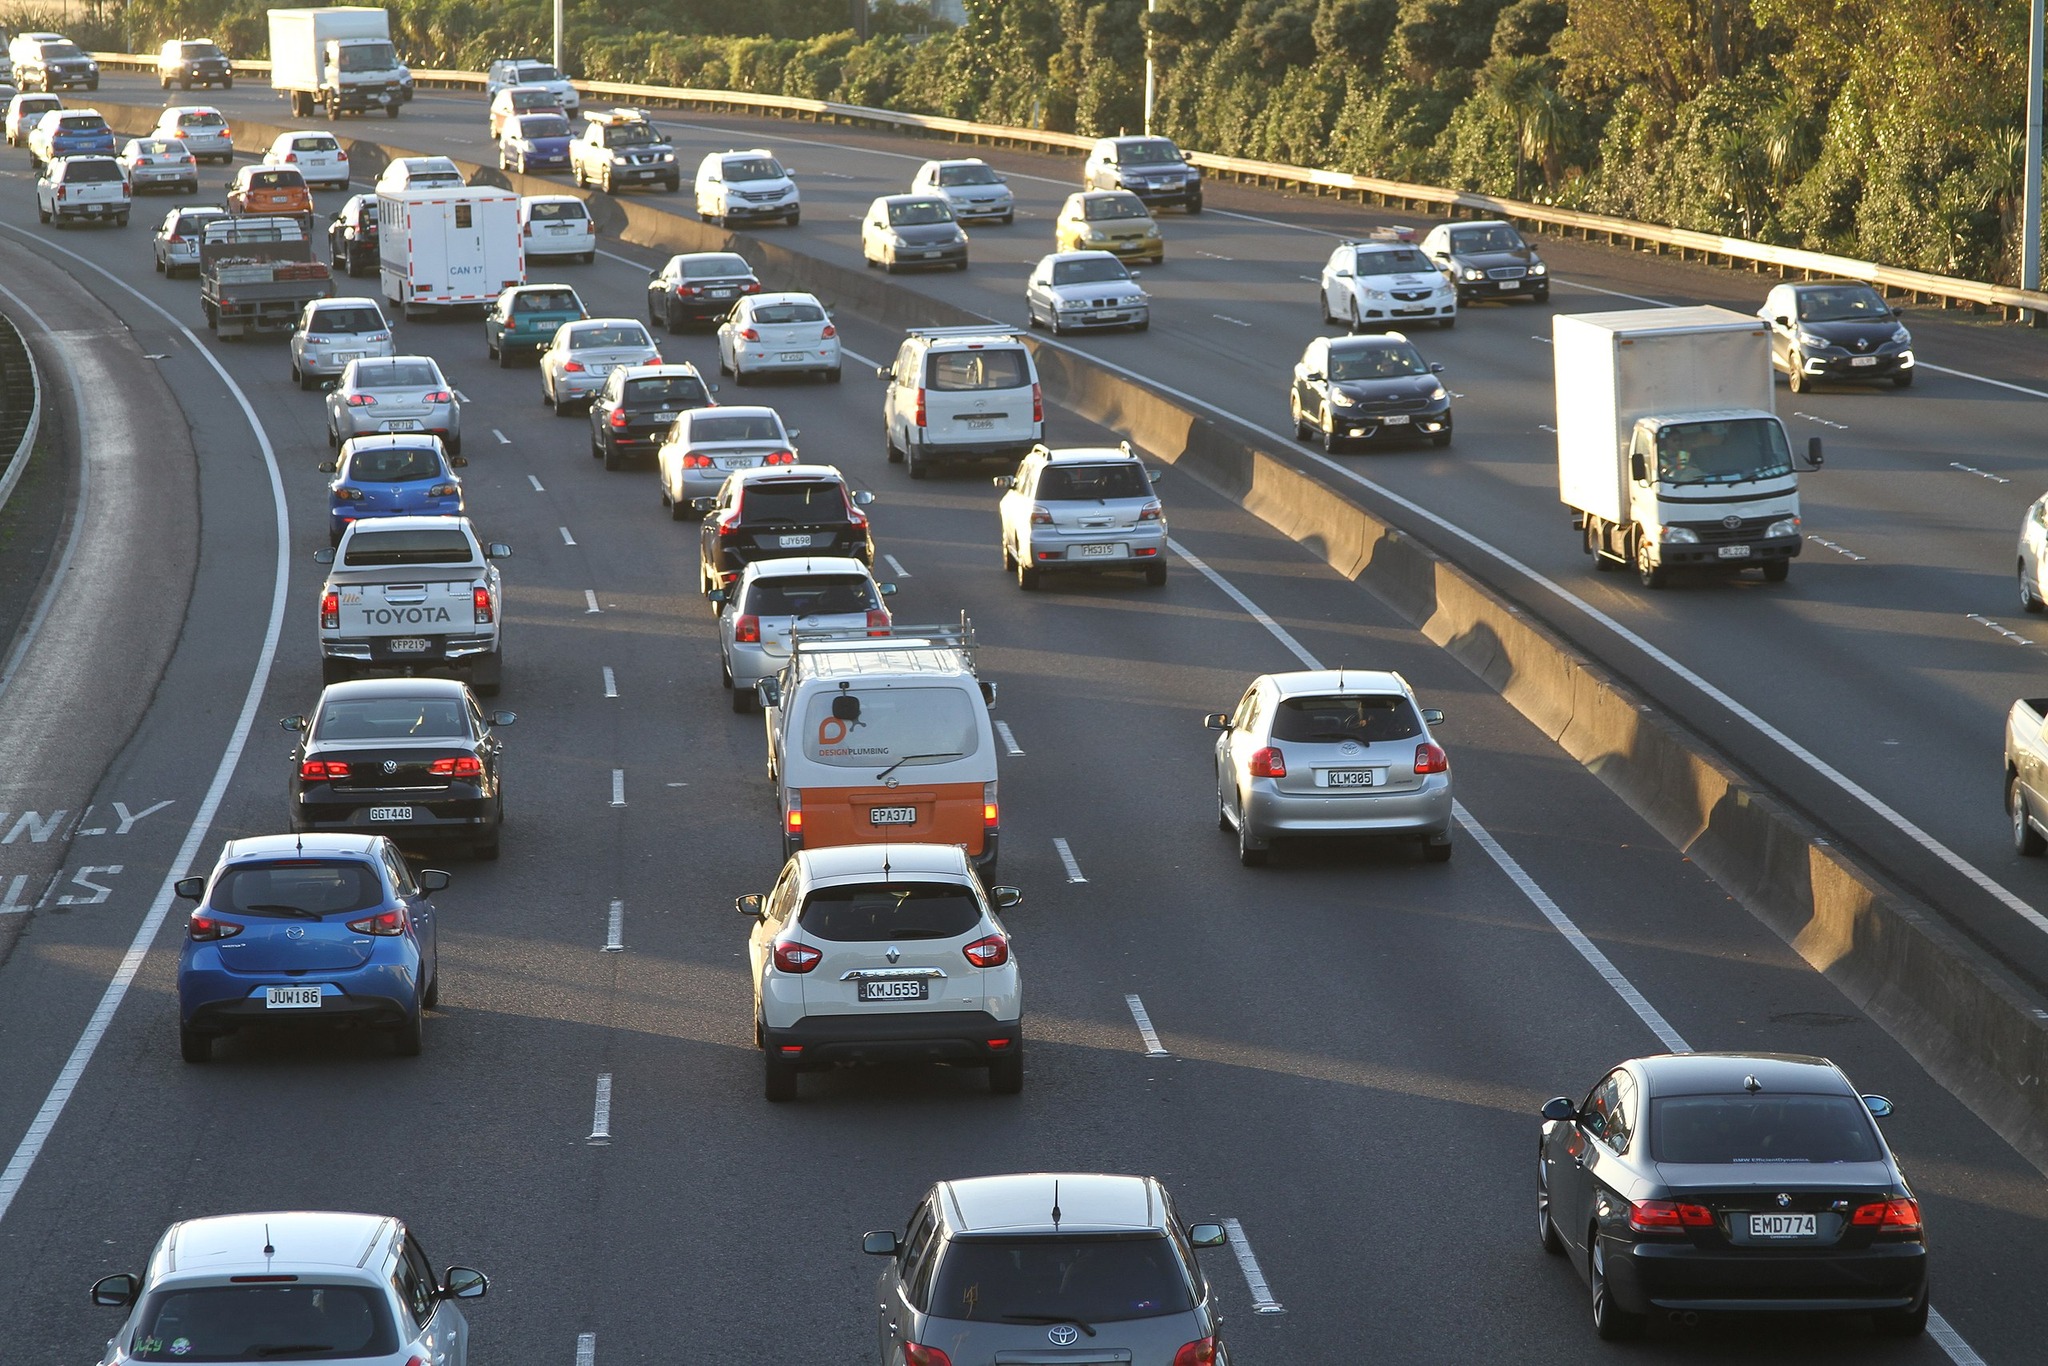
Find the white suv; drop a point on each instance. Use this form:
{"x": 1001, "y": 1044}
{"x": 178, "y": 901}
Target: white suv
{"x": 958, "y": 394}
{"x": 884, "y": 951}
{"x": 737, "y": 187}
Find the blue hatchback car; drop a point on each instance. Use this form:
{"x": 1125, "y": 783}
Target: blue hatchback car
{"x": 534, "y": 142}
{"x": 294, "y": 929}
{"x": 82, "y": 132}
{"x": 408, "y": 474}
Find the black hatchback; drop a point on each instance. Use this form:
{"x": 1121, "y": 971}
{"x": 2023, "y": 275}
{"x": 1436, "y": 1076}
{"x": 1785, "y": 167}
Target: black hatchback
{"x": 1723, "y": 1182}
{"x": 638, "y": 405}
{"x": 777, "y": 511}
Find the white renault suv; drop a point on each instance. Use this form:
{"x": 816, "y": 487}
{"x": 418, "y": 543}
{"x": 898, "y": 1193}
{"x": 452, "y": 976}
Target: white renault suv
{"x": 878, "y": 952}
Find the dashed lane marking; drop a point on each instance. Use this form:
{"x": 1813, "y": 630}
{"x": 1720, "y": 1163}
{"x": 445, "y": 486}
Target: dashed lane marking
{"x": 537, "y": 488}
{"x": 2014, "y": 636}
{"x": 896, "y": 567}
{"x": 1066, "y": 854}
{"x": 1153, "y": 1048}
{"x": 1841, "y": 550}
{"x": 503, "y": 440}
{"x": 1981, "y": 474}
{"x": 615, "y": 928}
{"x": 1009, "y": 741}
{"x": 601, "y": 1121}
{"x": 611, "y": 682}
{"x": 586, "y": 1349}
{"x": 567, "y": 539}
{"x": 590, "y": 597}
{"x": 618, "y": 787}
{"x": 1234, "y": 322}
{"x": 1262, "y": 1294}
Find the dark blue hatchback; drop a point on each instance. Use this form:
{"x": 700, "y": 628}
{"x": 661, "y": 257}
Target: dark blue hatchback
{"x": 296, "y": 929}
{"x": 405, "y": 475}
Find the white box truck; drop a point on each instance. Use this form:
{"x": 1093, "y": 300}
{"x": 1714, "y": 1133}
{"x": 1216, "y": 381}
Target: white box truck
{"x": 448, "y": 246}
{"x": 338, "y": 59}
{"x": 1669, "y": 452}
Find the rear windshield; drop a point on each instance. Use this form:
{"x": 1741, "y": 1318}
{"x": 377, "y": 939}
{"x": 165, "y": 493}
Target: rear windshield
{"x": 920, "y": 211}
{"x": 537, "y": 98}
{"x": 207, "y": 119}
{"x": 967, "y": 175}
{"x": 668, "y": 391}
{"x": 391, "y": 465}
{"x": 1392, "y": 261}
{"x": 38, "y": 104}
{"x": 307, "y": 887}
{"x": 902, "y": 910}
{"x": 1085, "y": 1280}
{"x": 348, "y": 320}
{"x": 396, "y": 375}
{"x": 789, "y": 502}
{"x": 92, "y": 170}
{"x": 1115, "y": 206}
{"x": 547, "y": 301}
{"x": 810, "y": 597}
{"x": 315, "y": 142}
{"x": 753, "y": 168}
{"x": 82, "y": 123}
{"x": 863, "y": 727}
{"x": 584, "y": 338}
{"x": 1331, "y": 720}
{"x": 276, "y": 180}
{"x": 1714, "y": 1130}
{"x": 955, "y": 371}
{"x": 560, "y": 211}
{"x": 392, "y": 718}
{"x": 788, "y": 313}
{"x": 762, "y": 427}
{"x": 254, "y": 1322}
{"x": 157, "y": 147}
{"x": 407, "y": 547}
{"x": 543, "y": 126}
{"x": 1124, "y": 480}
{"x": 715, "y": 267}
{"x": 1098, "y": 271}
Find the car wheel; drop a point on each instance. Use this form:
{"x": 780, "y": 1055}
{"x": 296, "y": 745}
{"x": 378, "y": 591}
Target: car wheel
{"x": 673, "y": 318}
{"x": 794, "y": 219}
{"x": 1434, "y": 851}
{"x": 2026, "y": 840}
{"x": 1906, "y": 1323}
{"x": 1222, "y": 810}
{"x": 740, "y": 377}
{"x": 1027, "y": 576}
{"x": 1795, "y": 374}
{"x": 588, "y": 257}
{"x": 1294, "y": 410}
{"x": 432, "y": 1000}
{"x": 742, "y": 698}
{"x": 1006, "y": 1071}
{"x": 194, "y": 1046}
{"x": 778, "y": 1078}
{"x": 612, "y": 459}
{"x": 1777, "y": 571}
{"x": 832, "y": 375}
{"x": 1610, "y": 1321}
{"x": 2030, "y": 601}
{"x": 1250, "y": 852}
{"x": 1904, "y": 380}
{"x": 159, "y": 264}
{"x": 1546, "y": 1228}
{"x": 409, "y": 1036}
{"x": 334, "y": 671}
{"x": 1327, "y": 435}
{"x": 912, "y": 465}
{"x": 678, "y": 510}
{"x": 895, "y": 455}
{"x": 486, "y": 850}
{"x": 1352, "y": 324}
{"x": 455, "y": 444}
{"x": 1648, "y": 574}
{"x": 1440, "y": 440}
{"x": 1155, "y": 576}
{"x": 1009, "y": 560}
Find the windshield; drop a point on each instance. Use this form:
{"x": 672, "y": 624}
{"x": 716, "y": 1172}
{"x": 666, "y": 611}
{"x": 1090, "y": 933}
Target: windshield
{"x": 312, "y": 886}
{"x": 667, "y": 391}
{"x": 351, "y": 319}
{"x": 756, "y": 427}
{"x": 302, "y": 1321}
{"x": 631, "y": 135}
{"x": 1368, "y": 720}
{"x": 390, "y": 465}
{"x": 810, "y": 597}
{"x": 1149, "y": 152}
{"x": 1497, "y": 238}
{"x": 367, "y": 57}
{"x": 1722, "y": 452}
{"x": 59, "y": 51}
{"x": 559, "y": 211}
{"x": 392, "y": 718}
{"x": 1114, "y": 206}
{"x": 968, "y": 175}
{"x": 198, "y": 50}
{"x": 920, "y": 211}
{"x": 593, "y": 338}
{"x": 403, "y": 374}
{"x": 1036, "y": 1280}
{"x": 754, "y": 168}
{"x": 1843, "y": 304}
{"x": 543, "y": 126}
{"x": 1088, "y": 272}
{"x": 788, "y": 313}
{"x": 540, "y": 72}
{"x": 1713, "y": 1130}
{"x": 715, "y": 267}
{"x": 1387, "y": 360}
{"x": 957, "y": 371}
{"x": 1392, "y": 261}
{"x": 406, "y": 547}
{"x": 877, "y": 727}
{"x": 1124, "y": 479}
{"x": 902, "y": 910}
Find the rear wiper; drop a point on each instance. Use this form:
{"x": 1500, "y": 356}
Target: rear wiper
{"x": 1087, "y": 1328}
{"x": 299, "y": 912}
{"x": 951, "y": 754}
{"x": 266, "y": 1349}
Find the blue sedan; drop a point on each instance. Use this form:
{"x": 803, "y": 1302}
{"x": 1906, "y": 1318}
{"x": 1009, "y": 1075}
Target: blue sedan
{"x": 402, "y": 475}
{"x": 534, "y": 142}
{"x": 297, "y": 929}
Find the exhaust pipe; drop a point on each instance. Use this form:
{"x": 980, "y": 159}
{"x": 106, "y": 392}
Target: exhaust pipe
{"x": 1685, "y": 1318}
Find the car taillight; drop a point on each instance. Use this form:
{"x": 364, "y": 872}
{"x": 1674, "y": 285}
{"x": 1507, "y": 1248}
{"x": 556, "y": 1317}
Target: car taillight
{"x": 992, "y": 951}
{"x": 444, "y": 490}
{"x": 318, "y": 770}
{"x": 529, "y": 229}
{"x": 349, "y": 495}
{"x": 1901, "y": 1215}
{"x": 1430, "y": 758}
{"x": 694, "y": 461}
{"x": 780, "y": 458}
{"x": 203, "y": 926}
{"x": 746, "y": 631}
{"x": 878, "y": 621}
{"x": 916, "y": 1354}
{"x": 919, "y": 417}
{"x": 362, "y": 400}
{"x": 1037, "y": 404}
{"x": 829, "y": 333}
{"x": 462, "y": 766}
{"x": 793, "y": 817}
{"x": 439, "y": 396}
{"x": 175, "y": 239}
{"x": 1041, "y": 515}
{"x": 618, "y": 417}
{"x": 341, "y": 157}
{"x": 729, "y": 524}
{"x": 574, "y": 367}
{"x": 749, "y": 334}
{"x": 384, "y": 924}
{"x": 1649, "y": 1215}
{"x": 1269, "y": 763}
{"x": 330, "y": 611}
{"x": 794, "y": 957}
{"x": 1200, "y": 1352}
{"x": 753, "y": 287}
{"x": 1151, "y": 512}
{"x": 291, "y": 157}
{"x": 481, "y": 597}
{"x": 990, "y": 812}
{"x": 688, "y": 289}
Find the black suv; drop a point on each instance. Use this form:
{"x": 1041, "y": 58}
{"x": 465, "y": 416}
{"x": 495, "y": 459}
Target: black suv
{"x": 780, "y": 510}
{"x": 637, "y": 406}
{"x": 698, "y": 287}
{"x": 352, "y": 236}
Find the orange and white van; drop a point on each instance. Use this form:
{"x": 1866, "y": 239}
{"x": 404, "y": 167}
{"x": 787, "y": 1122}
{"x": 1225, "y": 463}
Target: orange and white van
{"x": 882, "y": 735}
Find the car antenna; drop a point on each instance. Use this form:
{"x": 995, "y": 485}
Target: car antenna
{"x": 268, "y": 1250}
{"x": 1752, "y": 1085}
{"x": 1055, "y": 1204}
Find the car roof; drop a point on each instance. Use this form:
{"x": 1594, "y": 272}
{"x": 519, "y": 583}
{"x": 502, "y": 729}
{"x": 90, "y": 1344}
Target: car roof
{"x": 796, "y": 567}
{"x": 372, "y": 525}
{"x": 583, "y": 324}
{"x": 768, "y": 474}
{"x": 394, "y": 687}
{"x": 1474, "y": 223}
{"x": 1122, "y": 138}
{"x": 1061, "y": 256}
{"x": 183, "y": 109}
{"x": 1088, "y": 1202}
{"x": 526, "y": 85}
{"x": 1105, "y": 194}
{"x": 750, "y": 410}
{"x": 1709, "y": 1074}
{"x": 1302, "y": 682}
{"x": 745, "y": 152}
{"x": 349, "y": 301}
{"x": 792, "y": 296}
{"x": 224, "y": 1244}
{"x": 656, "y": 371}
{"x": 956, "y": 161}
{"x": 1087, "y": 455}
{"x": 873, "y": 862}
{"x": 393, "y": 441}
{"x": 550, "y": 198}
{"x": 1365, "y": 343}
{"x": 1802, "y": 286}
{"x": 311, "y": 844}
{"x": 912, "y": 197}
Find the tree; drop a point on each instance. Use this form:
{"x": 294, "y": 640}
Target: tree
{"x": 1675, "y": 48}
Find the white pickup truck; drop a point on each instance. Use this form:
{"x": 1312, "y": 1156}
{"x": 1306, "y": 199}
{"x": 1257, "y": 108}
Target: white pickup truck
{"x": 412, "y": 595}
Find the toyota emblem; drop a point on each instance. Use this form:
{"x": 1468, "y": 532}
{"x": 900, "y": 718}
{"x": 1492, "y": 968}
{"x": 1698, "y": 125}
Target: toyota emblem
{"x": 391, "y": 765}
{"x": 1348, "y": 748}
{"x": 1063, "y": 1334}
{"x": 1784, "y": 1201}
{"x": 1731, "y": 522}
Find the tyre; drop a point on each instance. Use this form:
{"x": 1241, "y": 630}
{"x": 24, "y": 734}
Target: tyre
{"x": 1294, "y": 410}
{"x": 1777, "y": 571}
{"x": 612, "y": 459}
{"x": 159, "y": 263}
{"x": 2030, "y": 601}
{"x": 486, "y": 850}
{"x": 1546, "y": 1227}
{"x": 915, "y": 467}
{"x": 390, "y": 111}
{"x": 1027, "y": 577}
{"x": 409, "y": 1036}
{"x": 2026, "y": 841}
{"x": 1155, "y": 576}
{"x": 1447, "y": 323}
{"x": 672, "y": 318}
{"x": 1648, "y": 574}
{"x": 1440, "y": 440}
{"x": 227, "y": 83}
{"x": 1006, "y": 1071}
{"x": 1905, "y": 1323}
{"x": 194, "y": 1046}
{"x": 1222, "y": 811}
{"x": 741, "y": 378}
{"x": 1251, "y": 853}
{"x": 184, "y": 83}
{"x": 1323, "y": 307}
{"x": 1437, "y": 853}
{"x": 832, "y": 375}
{"x": 742, "y": 698}
{"x": 1053, "y": 324}
{"x": 1329, "y": 439}
{"x": 120, "y": 220}
{"x": 1610, "y": 1321}
{"x": 588, "y": 257}
{"x": 1904, "y": 380}
{"x": 678, "y": 511}
{"x": 1009, "y": 217}
{"x": 797, "y": 218}
{"x": 1009, "y": 560}
{"x": 1795, "y": 375}
{"x": 432, "y": 1000}
{"x": 1195, "y": 204}
{"x": 778, "y": 1078}
{"x": 895, "y": 455}
{"x": 42, "y": 214}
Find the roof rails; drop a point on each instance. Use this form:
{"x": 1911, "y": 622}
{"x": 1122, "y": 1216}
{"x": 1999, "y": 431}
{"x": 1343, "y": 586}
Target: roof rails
{"x": 959, "y": 636}
{"x": 991, "y": 330}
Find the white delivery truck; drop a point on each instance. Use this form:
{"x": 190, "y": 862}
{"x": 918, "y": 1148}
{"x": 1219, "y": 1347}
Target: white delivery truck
{"x": 449, "y": 246}
{"x": 1669, "y": 453}
{"x": 338, "y": 59}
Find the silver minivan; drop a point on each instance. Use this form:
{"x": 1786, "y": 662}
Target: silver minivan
{"x": 960, "y": 394}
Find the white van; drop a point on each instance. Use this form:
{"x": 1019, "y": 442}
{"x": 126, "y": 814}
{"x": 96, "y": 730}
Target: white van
{"x": 960, "y": 394}
{"x": 447, "y": 247}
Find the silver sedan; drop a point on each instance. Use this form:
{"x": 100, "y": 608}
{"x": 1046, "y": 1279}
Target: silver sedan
{"x": 706, "y": 444}
{"x": 394, "y": 394}
{"x": 156, "y": 163}
{"x": 575, "y": 363}
{"x": 333, "y": 332}
{"x": 1077, "y": 289}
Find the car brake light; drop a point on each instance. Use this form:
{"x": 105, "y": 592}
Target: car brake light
{"x": 174, "y": 239}
{"x": 1041, "y": 515}
{"x": 991, "y": 951}
{"x": 362, "y": 400}
{"x": 384, "y": 924}
{"x": 688, "y": 289}
{"x": 291, "y": 157}
{"x": 916, "y": 1354}
{"x": 990, "y": 815}
{"x": 203, "y": 927}
{"x": 330, "y": 611}
{"x": 1037, "y": 404}
{"x": 1430, "y": 758}
{"x": 462, "y": 766}
{"x": 316, "y": 770}
{"x": 919, "y": 417}
{"x": 780, "y": 458}
{"x": 444, "y": 490}
{"x": 349, "y": 495}
{"x": 829, "y": 332}
{"x": 1903, "y": 1215}
{"x": 878, "y": 621}
{"x": 794, "y": 957}
{"x": 439, "y": 396}
{"x": 341, "y": 157}
{"x": 481, "y": 597}
{"x": 1269, "y": 763}
{"x": 1650, "y": 1215}
{"x": 730, "y": 523}
{"x": 618, "y": 417}
{"x": 694, "y": 461}
{"x": 753, "y": 287}
{"x": 1200, "y": 1352}
{"x": 529, "y": 230}
{"x": 574, "y": 367}
{"x": 746, "y": 631}
{"x": 749, "y": 334}
{"x": 1151, "y": 512}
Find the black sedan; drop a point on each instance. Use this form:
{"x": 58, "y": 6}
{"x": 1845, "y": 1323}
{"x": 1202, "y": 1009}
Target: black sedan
{"x": 638, "y": 405}
{"x": 698, "y": 287}
{"x": 1837, "y": 330}
{"x": 1721, "y": 1182}
{"x": 1488, "y": 260}
{"x": 1368, "y": 389}
{"x": 411, "y": 758}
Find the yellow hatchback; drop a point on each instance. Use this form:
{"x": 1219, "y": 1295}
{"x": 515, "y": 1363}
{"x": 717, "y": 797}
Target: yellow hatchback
{"x": 1109, "y": 220}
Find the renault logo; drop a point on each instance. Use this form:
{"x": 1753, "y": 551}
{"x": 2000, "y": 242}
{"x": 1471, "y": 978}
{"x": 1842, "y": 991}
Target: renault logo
{"x": 391, "y": 765}
{"x": 1784, "y": 1201}
{"x": 1063, "y": 1334}
{"x": 893, "y": 954}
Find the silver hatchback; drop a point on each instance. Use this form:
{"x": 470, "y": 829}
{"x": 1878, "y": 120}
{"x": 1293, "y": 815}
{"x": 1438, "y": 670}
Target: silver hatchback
{"x": 394, "y": 394}
{"x": 176, "y": 242}
{"x": 776, "y": 597}
{"x": 1331, "y": 752}
{"x": 333, "y": 332}
{"x": 1079, "y": 509}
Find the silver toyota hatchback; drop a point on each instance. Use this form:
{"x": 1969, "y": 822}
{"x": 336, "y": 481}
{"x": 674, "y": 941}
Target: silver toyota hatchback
{"x": 333, "y": 332}
{"x": 394, "y": 394}
{"x": 1046, "y": 1267}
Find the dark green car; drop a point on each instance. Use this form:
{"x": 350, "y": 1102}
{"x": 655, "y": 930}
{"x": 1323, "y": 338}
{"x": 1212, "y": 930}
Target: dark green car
{"x": 525, "y": 317}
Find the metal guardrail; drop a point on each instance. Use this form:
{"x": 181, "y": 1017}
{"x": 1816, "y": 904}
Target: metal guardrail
{"x": 1914, "y": 284}
{"x": 21, "y": 405}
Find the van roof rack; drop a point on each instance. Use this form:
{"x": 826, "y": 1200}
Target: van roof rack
{"x": 1388, "y": 232}
{"x": 989, "y": 330}
{"x": 959, "y": 635}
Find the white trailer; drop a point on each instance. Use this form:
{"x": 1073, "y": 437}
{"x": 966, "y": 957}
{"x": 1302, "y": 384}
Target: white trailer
{"x": 338, "y": 59}
{"x": 448, "y": 246}
{"x": 1669, "y": 452}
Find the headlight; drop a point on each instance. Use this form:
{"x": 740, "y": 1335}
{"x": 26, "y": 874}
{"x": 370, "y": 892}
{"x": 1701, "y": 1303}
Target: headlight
{"x": 1069, "y": 303}
{"x": 1538, "y": 268}
{"x": 1808, "y": 339}
{"x": 619, "y": 159}
{"x": 1375, "y": 293}
{"x": 1786, "y": 526}
{"x": 1901, "y": 336}
{"x": 1474, "y": 273}
{"x": 1679, "y": 535}
{"x": 1437, "y": 394}
{"x": 1097, "y": 235}
{"x": 1342, "y": 400}
{"x": 668, "y": 156}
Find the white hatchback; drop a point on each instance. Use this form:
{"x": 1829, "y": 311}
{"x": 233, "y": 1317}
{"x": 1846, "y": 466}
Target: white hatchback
{"x": 1383, "y": 282}
{"x": 557, "y": 225}
{"x": 318, "y": 156}
{"x": 778, "y": 333}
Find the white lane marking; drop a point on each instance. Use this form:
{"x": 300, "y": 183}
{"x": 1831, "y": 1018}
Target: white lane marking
{"x": 503, "y": 440}
{"x": 1534, "y": 338}
{"x": 1849, "y": 787}
{"x": 1546, "y": 427}
{"x": 1153, "y": 1048}
{"x": 1981, "y": 379}
{"x": 896, "y": 567}
{"x": 1825, "y": 422}
{"x": 1277, "y": 223}
{"x": 611, "y": 682}
{"x": 567, "y": 539}
{"x": 1614, "y": 293}
{"x": 601, "y": 1116}
{"x": 536, "y": 484}
{"x": 1213, "y": 256}
{"x": 1262, "y": 1295}
{"x": 590, "y": 597}
{"x": 1843, "y": 551}
{"x": 1066, "y": 854}
{"x": 2008, "y": 633}
{"x": 1949, "y": 1340}
{"x": 586, "y": 1349}
{"x": 1234, "y": 322}
{"x": 618, "y": 787}
{"x": 1009, "y": 741}
{"x": 1312, "y": 279}
{"x": 1252, "y": 609}
{"x": 39, "y": 1129}
{"x": 829, "y": 175}
{"x": 1981, "y": 474}
{"x": 615, "y": 928}
{"x": 856, "y": 357}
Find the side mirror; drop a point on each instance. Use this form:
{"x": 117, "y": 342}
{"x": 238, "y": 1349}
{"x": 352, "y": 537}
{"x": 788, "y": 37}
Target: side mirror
{"x": 116, "y": 1291}
{"x": 1443, "y": 256}
{"x": 1155, "y": 475}
{"x": 882, "y": 1244}
{"x": 1217, "y": 720}
{"x": 988, "y": 691}
{"x": 1340, "y": 275}
{"x": 293, "y": 723}
{"x": 323, "y": 556}
{"x": 887, "y": 590}
{"x": 882, "y": 372}
{"x": 1314, "y": 377}
{"x": 464, "y": 1283}
{"x": 716, "y": 596}
{"x": 329, "y": 386}
{"x": 330, "y": 466}
{"x": 1436, "y": 367}
{"x": 1880, "y": 1107}
{"x": 1559, "y": 1109}
{"x": 1004, "y": 481}
{"x": 1814, "y": 458}
{"x": 1005, "y": 897}
{"x": 459, "y": 461}
{"x": 864, "y": 498}
{"x": 1207, "y": 1235}
{"x": 792, "y": 432}
{"x": 1432, "y": 717}
{"x": 1137, "y": 275}
{"x": 1638, "y": 468}
{"x": 191, "y": 888}
{"x": 497, "y": 550}
{"x": 1781, "y": 321}
{"x": 749, "y": 905}
{"x": 769, "y": 690}
{"x": 1898, "y": 312}
{"x": 703, "y": 504}
{"x": 713, "y": 388}
{"x": 432, "y": 880}
{"x": 504, "y": 718}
